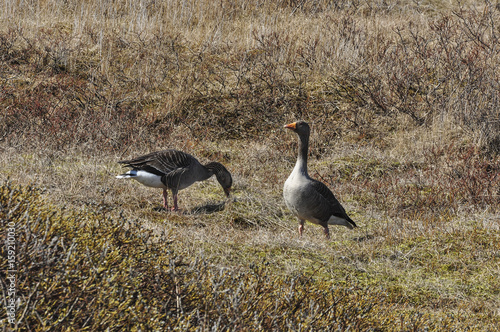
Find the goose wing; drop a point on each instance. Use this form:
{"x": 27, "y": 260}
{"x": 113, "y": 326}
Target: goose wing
{"x": 328, "y": 205}
{"x": 162, "y": 162}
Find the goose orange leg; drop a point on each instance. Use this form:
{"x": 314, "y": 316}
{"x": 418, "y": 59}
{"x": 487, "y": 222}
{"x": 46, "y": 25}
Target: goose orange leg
{"x": 165, "y": 199}
{"x": 327, "y": 232}
{"x": 301, "y": 227}
{"x": 175, "y": 208}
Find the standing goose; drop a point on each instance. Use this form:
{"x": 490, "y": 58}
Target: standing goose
{"x": 174, "y": 170}
{"x": 307, "y": 198}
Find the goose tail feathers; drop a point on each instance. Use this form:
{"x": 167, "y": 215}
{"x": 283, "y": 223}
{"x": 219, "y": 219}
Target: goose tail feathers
{"x": 128, "y": 175}
{"x": 352, "y": 224}
{"x": 347, "y": 222}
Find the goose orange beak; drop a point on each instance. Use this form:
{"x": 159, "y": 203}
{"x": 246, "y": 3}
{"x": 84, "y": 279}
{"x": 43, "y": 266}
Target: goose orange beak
{"x": 291, "y": 126}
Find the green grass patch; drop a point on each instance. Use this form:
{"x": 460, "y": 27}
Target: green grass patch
{"x": 81, "y": 270}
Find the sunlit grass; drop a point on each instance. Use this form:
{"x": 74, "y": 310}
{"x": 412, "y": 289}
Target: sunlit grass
{"x": 404, "y": 131}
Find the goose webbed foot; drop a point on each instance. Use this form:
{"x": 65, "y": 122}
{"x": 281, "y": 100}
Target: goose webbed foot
{"x": 327, "y": 232}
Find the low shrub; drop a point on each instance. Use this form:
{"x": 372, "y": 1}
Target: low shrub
{"x": 86, "y": 271}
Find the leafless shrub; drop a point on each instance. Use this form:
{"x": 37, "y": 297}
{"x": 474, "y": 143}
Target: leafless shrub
{"x": 428, "y": 74}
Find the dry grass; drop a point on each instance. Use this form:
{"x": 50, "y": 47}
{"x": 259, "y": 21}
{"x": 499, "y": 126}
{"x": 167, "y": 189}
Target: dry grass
{"x": 403, "y": 100}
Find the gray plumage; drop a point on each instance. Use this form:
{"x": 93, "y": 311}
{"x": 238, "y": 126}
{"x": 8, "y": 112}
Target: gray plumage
{"x": 307, "y": 198}
{"x": 174, "y": 170}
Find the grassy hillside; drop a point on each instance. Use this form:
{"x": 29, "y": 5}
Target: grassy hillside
{"x": 403, "y": 99}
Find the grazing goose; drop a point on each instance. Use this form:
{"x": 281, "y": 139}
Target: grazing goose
{"x": 174, "y": 170}
{"x": 307, "y": 198}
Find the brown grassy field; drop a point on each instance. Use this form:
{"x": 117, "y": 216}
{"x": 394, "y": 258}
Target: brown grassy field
{"x": 404, "y": 103}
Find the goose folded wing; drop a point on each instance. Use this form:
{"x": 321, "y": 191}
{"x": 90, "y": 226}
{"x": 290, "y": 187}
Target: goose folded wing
{"x": 330, "y": 205}
{"x": 160, "y": 163}
{"x": 174, "y": 178}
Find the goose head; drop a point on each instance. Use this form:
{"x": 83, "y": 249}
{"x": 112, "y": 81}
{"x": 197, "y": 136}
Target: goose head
{"x": 300, "y": 127}
{"x": 222, "y": 174}
{"x": 225, "y": 180}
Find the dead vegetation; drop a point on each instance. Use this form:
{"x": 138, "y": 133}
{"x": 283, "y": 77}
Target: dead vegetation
{"x": 403, "y": 100}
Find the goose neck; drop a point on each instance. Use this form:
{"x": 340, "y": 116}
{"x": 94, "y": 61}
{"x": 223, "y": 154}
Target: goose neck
{"x": 301, "y": 164}
{"x": 213, "y": 168}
